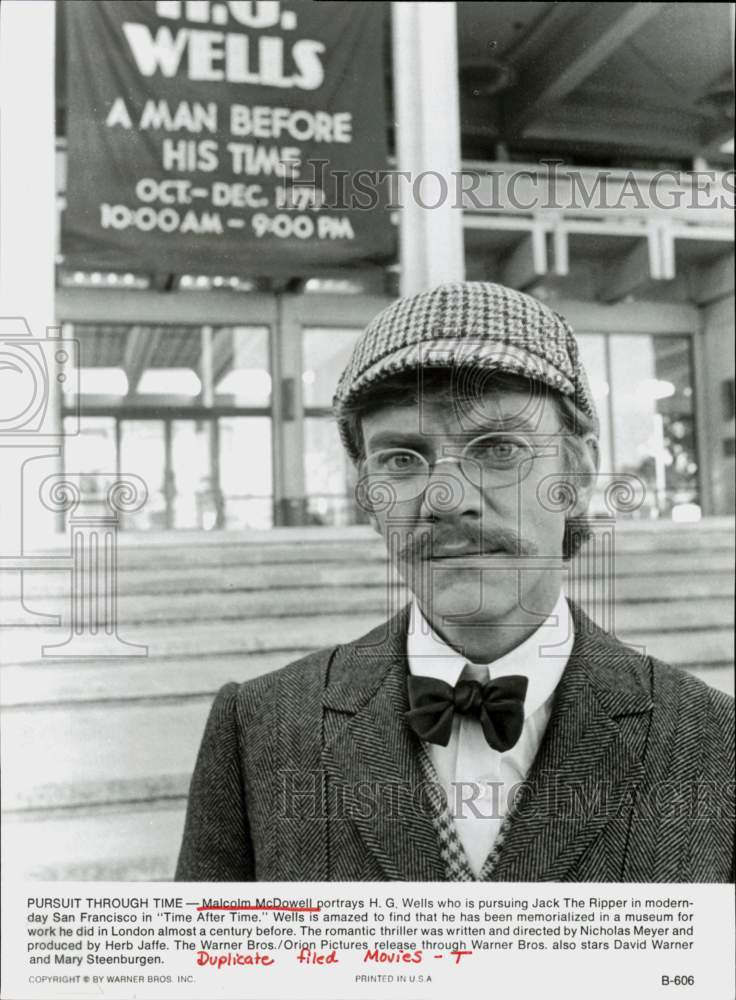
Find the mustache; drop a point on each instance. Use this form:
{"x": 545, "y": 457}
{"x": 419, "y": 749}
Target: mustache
{"x": 432, "y": 540}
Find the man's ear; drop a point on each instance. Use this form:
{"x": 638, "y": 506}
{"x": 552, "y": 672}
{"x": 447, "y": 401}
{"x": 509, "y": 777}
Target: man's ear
{"x": 586, "y": 465}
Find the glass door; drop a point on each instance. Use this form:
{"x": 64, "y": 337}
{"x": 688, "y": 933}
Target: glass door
{"x": 244, "y": 460}
{"x": 143, "y": 452}
{"x": 193, "y": 495}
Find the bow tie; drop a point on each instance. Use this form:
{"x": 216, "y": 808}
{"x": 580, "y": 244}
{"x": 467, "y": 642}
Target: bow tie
{"x": 498, "y": 705}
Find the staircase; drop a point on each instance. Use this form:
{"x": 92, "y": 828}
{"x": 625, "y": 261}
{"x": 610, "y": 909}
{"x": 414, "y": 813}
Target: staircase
{"x": 98, "y": 753}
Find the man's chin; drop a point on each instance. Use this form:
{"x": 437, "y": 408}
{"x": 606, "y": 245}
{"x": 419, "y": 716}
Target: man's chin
{"x": 447, "y": 591}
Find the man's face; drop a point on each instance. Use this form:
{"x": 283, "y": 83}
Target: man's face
{"x": 479, "y": 536}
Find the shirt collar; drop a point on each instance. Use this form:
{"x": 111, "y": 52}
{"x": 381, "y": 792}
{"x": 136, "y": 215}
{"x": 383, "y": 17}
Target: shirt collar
{"x": 542, "y": 657}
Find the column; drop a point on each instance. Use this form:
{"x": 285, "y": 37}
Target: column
{"x": 290, "y": 506}
{"x": 426, "y": 108}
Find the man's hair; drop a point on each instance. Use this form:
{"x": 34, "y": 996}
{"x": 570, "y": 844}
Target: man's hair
{"x": 458, "y": 386}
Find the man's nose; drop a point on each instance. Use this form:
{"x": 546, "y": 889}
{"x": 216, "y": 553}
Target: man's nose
{"x": 449, "y": 493}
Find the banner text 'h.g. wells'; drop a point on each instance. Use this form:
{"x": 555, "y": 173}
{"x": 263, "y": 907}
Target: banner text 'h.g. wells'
{"x": 198, "y": 135}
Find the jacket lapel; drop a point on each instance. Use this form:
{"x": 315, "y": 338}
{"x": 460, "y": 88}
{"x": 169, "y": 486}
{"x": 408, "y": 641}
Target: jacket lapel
{"x": 371, "y": 754}
{"x": 589, "y": 765}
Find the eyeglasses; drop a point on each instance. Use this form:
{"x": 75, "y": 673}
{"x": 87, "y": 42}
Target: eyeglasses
{"x": 492, "y": 460}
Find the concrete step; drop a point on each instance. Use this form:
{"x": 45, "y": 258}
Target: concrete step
{"x": 101, "y": 754}
{"x": 676, "y": 632}
{"x": 287, "y": 601}
{"x": 211, "y": 606}
{"x": 49, "y": 682}
{"x": 175, "y": 681}
{"x": 134, "y": 842}
{"x": 365, "y": 571}
{"x": 371, "y": 546}
{"x": 136, "y": 680}
{"x": 307, "y": 543}
{"x": 143, "y": 752}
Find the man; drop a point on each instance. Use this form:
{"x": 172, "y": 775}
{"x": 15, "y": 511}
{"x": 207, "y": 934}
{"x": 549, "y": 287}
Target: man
{"x": 489, "y": 730}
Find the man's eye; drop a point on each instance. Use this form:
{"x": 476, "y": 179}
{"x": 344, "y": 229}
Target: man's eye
{"x": 498, "y": 451}
{"x": 504, "y": 449}
{"x": 399, "y": 461}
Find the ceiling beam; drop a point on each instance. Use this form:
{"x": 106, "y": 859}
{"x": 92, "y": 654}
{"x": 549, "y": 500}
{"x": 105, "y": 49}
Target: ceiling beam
{"x": 613, "y": 127}
{"x": 572, "y": 56}
{"x": 630, "y": 274}
{"x": 553, "y": 19}
{"x": 527, "y": 262}
{"x": 712, "y": 280}
{"x": 222, "y": 353}
{"x": 140, "y": 346}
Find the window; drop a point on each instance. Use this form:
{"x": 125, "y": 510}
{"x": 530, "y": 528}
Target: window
{"x": 328, "y": 474}
{"x": 188, "y": 408}
{"x": 325, "y": 352}
{"x": 240, "y": 365}
{"x": 643, "y": 389}
{"x": 653, "y": 419}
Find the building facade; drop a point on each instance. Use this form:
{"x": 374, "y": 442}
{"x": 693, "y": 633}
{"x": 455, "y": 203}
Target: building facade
{"x": 590, "y": 180}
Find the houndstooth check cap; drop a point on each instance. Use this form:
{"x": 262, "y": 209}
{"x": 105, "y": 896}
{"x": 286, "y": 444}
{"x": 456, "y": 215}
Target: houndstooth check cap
{"x": 465, "y": 324}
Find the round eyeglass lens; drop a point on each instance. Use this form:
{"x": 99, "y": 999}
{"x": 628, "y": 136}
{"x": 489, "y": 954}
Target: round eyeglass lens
{"x": 497, "y": 459}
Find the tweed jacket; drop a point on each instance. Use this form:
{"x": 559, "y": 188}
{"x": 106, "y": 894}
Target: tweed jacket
{"x": 311, "y": 773}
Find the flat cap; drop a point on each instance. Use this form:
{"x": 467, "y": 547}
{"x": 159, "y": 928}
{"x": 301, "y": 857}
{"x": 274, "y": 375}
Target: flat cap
{"x": 474, "y": 324}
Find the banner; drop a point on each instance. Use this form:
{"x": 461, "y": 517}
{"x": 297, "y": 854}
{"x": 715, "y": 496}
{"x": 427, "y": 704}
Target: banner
{"x": 224, "y": 137}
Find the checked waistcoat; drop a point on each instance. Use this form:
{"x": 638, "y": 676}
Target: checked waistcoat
{"x": 452, "y": 852}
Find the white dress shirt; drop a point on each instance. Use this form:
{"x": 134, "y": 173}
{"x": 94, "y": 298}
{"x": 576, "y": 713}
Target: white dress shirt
{"x": 477, "y": 779}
